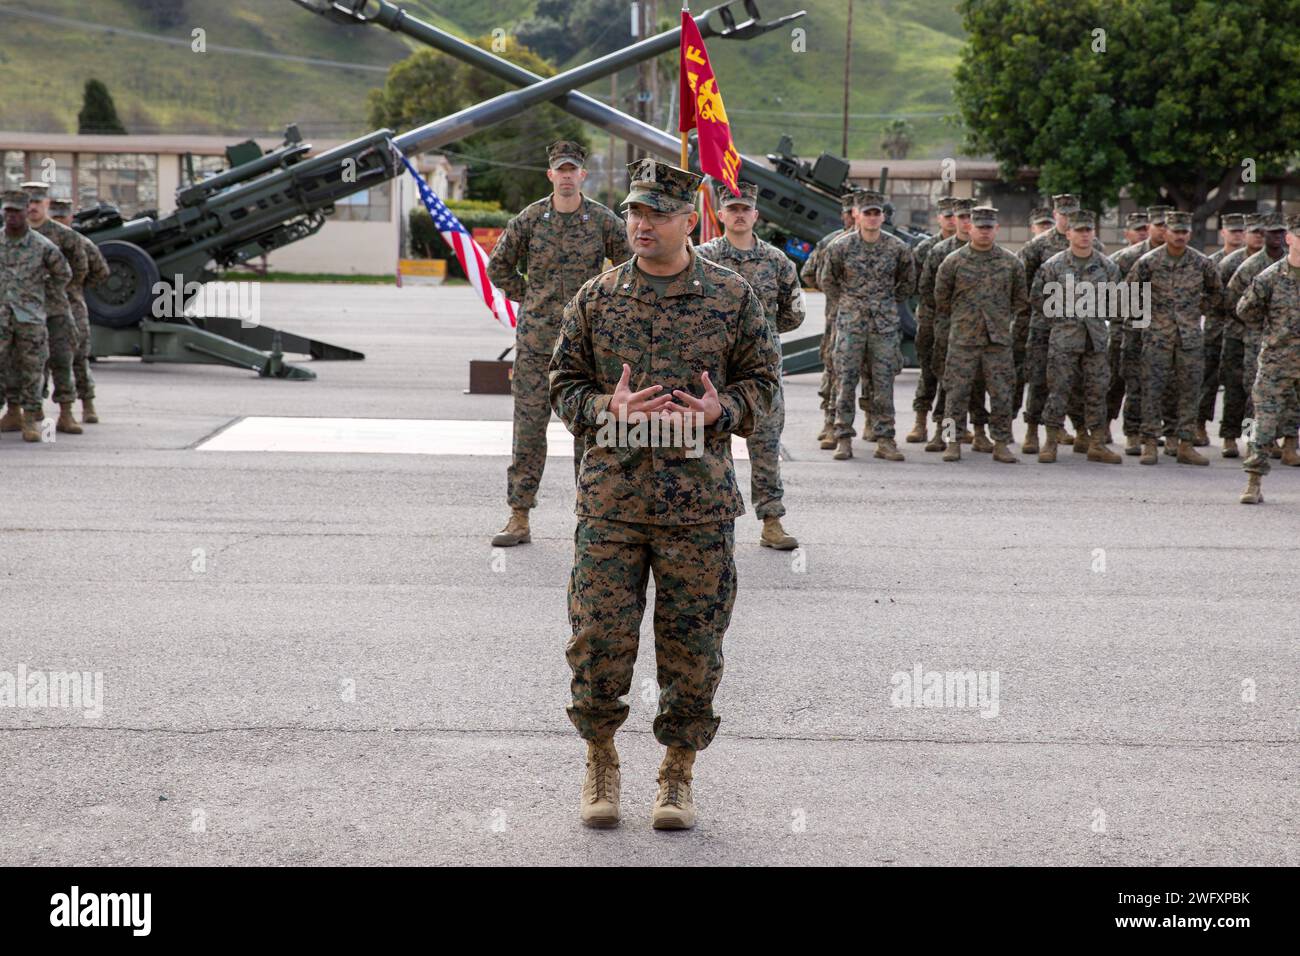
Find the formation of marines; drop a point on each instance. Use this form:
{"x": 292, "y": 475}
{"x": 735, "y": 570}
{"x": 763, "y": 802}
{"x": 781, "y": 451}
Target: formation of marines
{"x": 45, "y": 266}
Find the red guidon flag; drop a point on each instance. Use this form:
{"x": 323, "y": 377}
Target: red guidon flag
{"x": 702, "y": 108}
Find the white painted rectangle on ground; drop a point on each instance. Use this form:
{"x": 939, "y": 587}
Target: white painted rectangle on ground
{"x": 388, "y": 436}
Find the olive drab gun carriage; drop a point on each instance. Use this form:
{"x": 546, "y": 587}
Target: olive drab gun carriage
{"x": 799, "y": 199}
{"x": 267, "y": 201}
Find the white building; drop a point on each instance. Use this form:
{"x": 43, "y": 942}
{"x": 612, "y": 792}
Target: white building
{"x": 140, "y": 173}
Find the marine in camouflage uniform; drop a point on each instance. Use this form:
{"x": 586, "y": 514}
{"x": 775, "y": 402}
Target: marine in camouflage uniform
{"x": 62, "y": 330}
{"x": 1076, "y": 343}
{"x": 927, "y": 384}
{"x": 1031, "y": 343}
{"x": 869, "y": 272}
{"x": 30, "y": 268}
{"x": 540, "y": 261}
{"x": 1233, "y": 232}
{"x": 1236, "y": 390}
{"x": 810, "y": 274}
{"x": 1135, "y": 230}
{"x": 97, "y": 271}
{"x": 1270, "y": 308}
{"x": 1274, "y": 249}
{"x": 644, "y": 510}
{"x": 1184, "y": 286}
{"x": 980, "y": 296}
{"x": 772, "y": 275}
{"x": 1131, "y": 347}
{"x": 929, "y": 270}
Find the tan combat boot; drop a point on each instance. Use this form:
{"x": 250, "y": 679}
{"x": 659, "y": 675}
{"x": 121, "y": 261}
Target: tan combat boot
{"x": 1290, "y": 454}
{"x": 1030, "y": 445}
{"x": 1002, "y": 455}
{"x": 600, "y": 788}
{"x": 920, "y": 431}
{"x": 1253, "y": 495}
{"x": 886, "y": 449}
{"x": 774, "y": 536}
{"x": 67, "y": 423}
{"x": 516, "y": 530}
{"x": 967, "y": 437}
{"x": 826, "y": 440}
{"x": 1274, "y": 449}
{"x": 936, "y": 443}
{"x": 981, "y": 442}
{"x": 952, "y": 451}
{"x": 1171, "y": 446}
{"x": 1082, "y": 441}
{"x": 1064, "y": 438}
{"x": 1048, "y": 454}
{"x": 1097, "y": 450}
{"x": 88, "y": 415}
{"x": 31, "y": 428}
{"x": 1132, "y": 445}
{"x": 1150, "y": 453}
{"x": 1188, "y": 455}
{"x": 674, "y": 804}
{"x": 12, "y": 420}
{"x": 843, "y": 449}
{"x": 1230, "y": 448}
{"x": 1201, "y": 439}
{"x": 1107, "y": 440}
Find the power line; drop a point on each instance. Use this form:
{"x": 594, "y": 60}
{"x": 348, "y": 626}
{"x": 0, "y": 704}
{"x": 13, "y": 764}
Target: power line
{"x": 174, "y": 41}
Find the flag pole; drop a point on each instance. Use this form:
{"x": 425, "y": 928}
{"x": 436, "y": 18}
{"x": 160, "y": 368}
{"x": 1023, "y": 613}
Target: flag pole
{"x": 686, "y": 8}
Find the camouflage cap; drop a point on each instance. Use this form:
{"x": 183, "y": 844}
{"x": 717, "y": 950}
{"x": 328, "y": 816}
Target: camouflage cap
{"x": 846, "y": 201}
{"x": 962, "y": 207}
{"x": 1083, "y": 219}
{"x": 1232, "y": 221}
{"x": 60, "y": 207}
{"x": 566, "y": 151}
{"x": 36, "y": 189}
{"x": 1178, "y": 221}
{"x": 984, "y": 216}
{"x": 1040, "y": 214}
{"x": 748, "y": 195}
{"x": 1156, "y": 214}
{"x": 870, "y": 199}
{"x": 13, "y": 199}
{"x": 1135, "y": 220}
{"x": 662, "y": 187}
{"x": 946, "y": 205}
{"x": 1271, "y": 221}
{"x": 1254, "y": 222}
{"x": 1293, "y": 224}
{"x": 1065, "y": 202}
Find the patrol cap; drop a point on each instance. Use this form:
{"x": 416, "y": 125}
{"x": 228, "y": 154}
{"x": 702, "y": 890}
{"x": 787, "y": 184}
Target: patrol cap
{"x": 1272, "y": 221}
{"x": 13, "y": 199}
{"x": 566, "y": 151}
{"x": 1065, "y": 202}
{"x": 1156, "y": 214}
{"x": 60, "y": 207}
{"x": 870, "y": 199}
{"x": 984, "y": 216}
{"x": 1178, "y": 221}
{"x": 748, "y": 195}
{"x": 662, "y": 187}
{"x": 946, "y": 205}
{"x": 1040, "y": 214}
{"x": 846, "y": 201}
{"x": 1083, "y": 219}
{"x": 1254, "y": 222}
{"x": 1293, "y": 224}
{"x": 1135, "y": 220}
{"x": 36, "y": 189}
{"x": 962, "y": 207}
{"x": 1232, "y": 221}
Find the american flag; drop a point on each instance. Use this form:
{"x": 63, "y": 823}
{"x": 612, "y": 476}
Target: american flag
{"x": 473, "y": 260}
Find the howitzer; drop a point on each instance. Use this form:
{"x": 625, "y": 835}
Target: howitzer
{"x": 797, "y": 198}
{"x": 268, "y": 202}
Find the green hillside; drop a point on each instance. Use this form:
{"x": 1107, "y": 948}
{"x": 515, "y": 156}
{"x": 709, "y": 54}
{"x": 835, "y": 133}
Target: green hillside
{"x": 904, "y": 53}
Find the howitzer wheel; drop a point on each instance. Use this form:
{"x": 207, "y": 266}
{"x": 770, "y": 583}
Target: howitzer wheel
{"x": 124, "y": 298}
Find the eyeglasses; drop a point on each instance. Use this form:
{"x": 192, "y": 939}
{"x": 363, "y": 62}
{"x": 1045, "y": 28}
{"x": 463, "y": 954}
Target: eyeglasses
{"x": 654, "y": 218}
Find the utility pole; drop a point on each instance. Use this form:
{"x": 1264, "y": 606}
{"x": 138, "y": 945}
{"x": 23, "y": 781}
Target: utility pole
{"x": 848, "y": 59}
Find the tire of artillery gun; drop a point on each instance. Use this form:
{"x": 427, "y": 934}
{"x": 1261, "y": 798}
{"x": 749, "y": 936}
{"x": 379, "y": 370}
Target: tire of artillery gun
{"x": 123, "y": 300}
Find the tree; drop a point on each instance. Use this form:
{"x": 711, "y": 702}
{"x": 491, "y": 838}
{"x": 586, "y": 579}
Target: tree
{"x": 98, "y": 114}
{"x": 507, "y": 161}
{"x": 897, "y": 140}
{"x": 163, "y": 14}
{"x": 1169, "y": 98}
